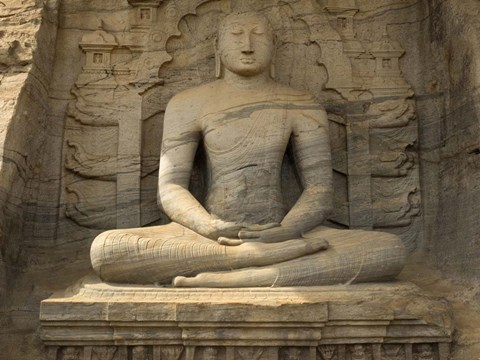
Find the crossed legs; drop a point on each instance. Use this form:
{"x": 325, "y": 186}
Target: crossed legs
{"x": 172, "y": 252}
{"x": 353, "y": 256}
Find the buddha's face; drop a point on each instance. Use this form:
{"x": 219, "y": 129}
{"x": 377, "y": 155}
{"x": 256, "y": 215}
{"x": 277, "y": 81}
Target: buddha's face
{"x": 245, "y": 44}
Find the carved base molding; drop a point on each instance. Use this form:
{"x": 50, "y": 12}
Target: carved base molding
{"x": 322, "y": 352}
{"x": 358, "y": 322}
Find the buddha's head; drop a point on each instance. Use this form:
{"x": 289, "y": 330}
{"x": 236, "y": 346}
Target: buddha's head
{"x": 245, "y": 44}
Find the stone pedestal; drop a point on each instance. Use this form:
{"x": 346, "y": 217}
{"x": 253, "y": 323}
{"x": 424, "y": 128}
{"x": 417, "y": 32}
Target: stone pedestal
{"x": 356, "y": 322}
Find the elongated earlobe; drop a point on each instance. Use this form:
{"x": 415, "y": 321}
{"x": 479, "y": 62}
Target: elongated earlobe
{"x": 274, "y": 58}
{"x": 218, "y": 62}
{"x": 218, "y": 66}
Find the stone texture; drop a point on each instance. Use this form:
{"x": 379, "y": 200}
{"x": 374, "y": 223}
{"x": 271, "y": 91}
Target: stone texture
{"x": 242, "y": 233}
{"x": 27, "y": 45}
{"x": 44, "y": 248}
{"x": 448, "y": 138}
{"x": 450, "y": 149}
{"x": 333, "y": 322}
{"x": 91, "y": 171}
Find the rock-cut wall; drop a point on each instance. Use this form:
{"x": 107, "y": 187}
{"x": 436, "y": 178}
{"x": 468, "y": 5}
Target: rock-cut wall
{"x": 65, "y": 127}
{"x": 450, "y": 136}
{"x": 448, "y": 105}
{"x": 27, "y": 47}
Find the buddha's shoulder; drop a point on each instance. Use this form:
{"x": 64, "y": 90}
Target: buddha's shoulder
{"x": 196, "y": 95}
{"x": 295, "y": 97}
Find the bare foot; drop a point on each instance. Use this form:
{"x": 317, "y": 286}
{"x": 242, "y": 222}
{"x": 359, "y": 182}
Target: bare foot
{"x": 231, "y": 279}
{"x": 181, "y": 281}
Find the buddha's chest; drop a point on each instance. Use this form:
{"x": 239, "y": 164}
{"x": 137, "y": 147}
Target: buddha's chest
{"x": 246, "y": 132}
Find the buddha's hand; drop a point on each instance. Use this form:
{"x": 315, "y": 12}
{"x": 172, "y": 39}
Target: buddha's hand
{"x": 271, "y": 235}
{"x": 237, "y": 240}
{"x": 223, "y": 229}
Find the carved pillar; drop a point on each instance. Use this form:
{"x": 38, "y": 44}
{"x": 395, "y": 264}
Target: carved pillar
{"x": 359, "y": 175}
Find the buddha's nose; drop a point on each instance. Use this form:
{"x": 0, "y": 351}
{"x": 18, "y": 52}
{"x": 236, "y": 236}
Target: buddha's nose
{"x": 247, "y": 48}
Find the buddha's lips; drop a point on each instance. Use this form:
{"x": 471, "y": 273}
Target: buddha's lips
{"x": 247, "y": 60}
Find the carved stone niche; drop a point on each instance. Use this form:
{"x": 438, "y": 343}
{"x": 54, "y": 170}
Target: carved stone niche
{"x": 351, "y": 322}
{"x": 98, "y": 47}
{"x": 145, "y": 14}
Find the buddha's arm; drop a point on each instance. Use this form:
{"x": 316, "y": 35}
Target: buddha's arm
{"x": 181, "y": 136}
{"x": 311, "y": 149}
{"x": 312, "y": 157}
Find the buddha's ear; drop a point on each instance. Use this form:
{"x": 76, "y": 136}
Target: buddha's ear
{"x": 218, "y": 62}
{"x": 274, "y": 57}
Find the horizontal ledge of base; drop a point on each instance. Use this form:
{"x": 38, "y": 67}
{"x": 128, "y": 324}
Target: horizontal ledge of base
{"x": 242, "y": 342}
{"x": 202, "y": 325}
{"x": 102, "y": 315}
{"x": 182, "y": 332}
{"x": 255, "y": 343}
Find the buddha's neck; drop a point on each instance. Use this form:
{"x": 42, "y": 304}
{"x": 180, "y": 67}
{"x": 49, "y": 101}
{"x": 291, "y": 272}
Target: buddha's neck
{"x": 246, "y": 82}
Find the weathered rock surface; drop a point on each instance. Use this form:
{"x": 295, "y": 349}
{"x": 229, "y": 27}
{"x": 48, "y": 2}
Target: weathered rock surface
{"x": 63, "y": 144}
{"x": 242, "y": 233}
{"x": 339, "y": 322}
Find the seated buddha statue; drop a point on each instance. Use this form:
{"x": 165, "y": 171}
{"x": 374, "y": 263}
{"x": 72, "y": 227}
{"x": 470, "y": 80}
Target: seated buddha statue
{"x": 243, "y": 235}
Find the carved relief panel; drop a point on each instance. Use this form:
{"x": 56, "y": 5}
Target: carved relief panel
{"x": 400, "y": 351}
{"x": 110, "y": 178}
{"x": 114, "y": 125}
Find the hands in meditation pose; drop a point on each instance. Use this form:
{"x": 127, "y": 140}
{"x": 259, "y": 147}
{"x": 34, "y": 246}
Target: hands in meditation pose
{"x": 243, "y": 236}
